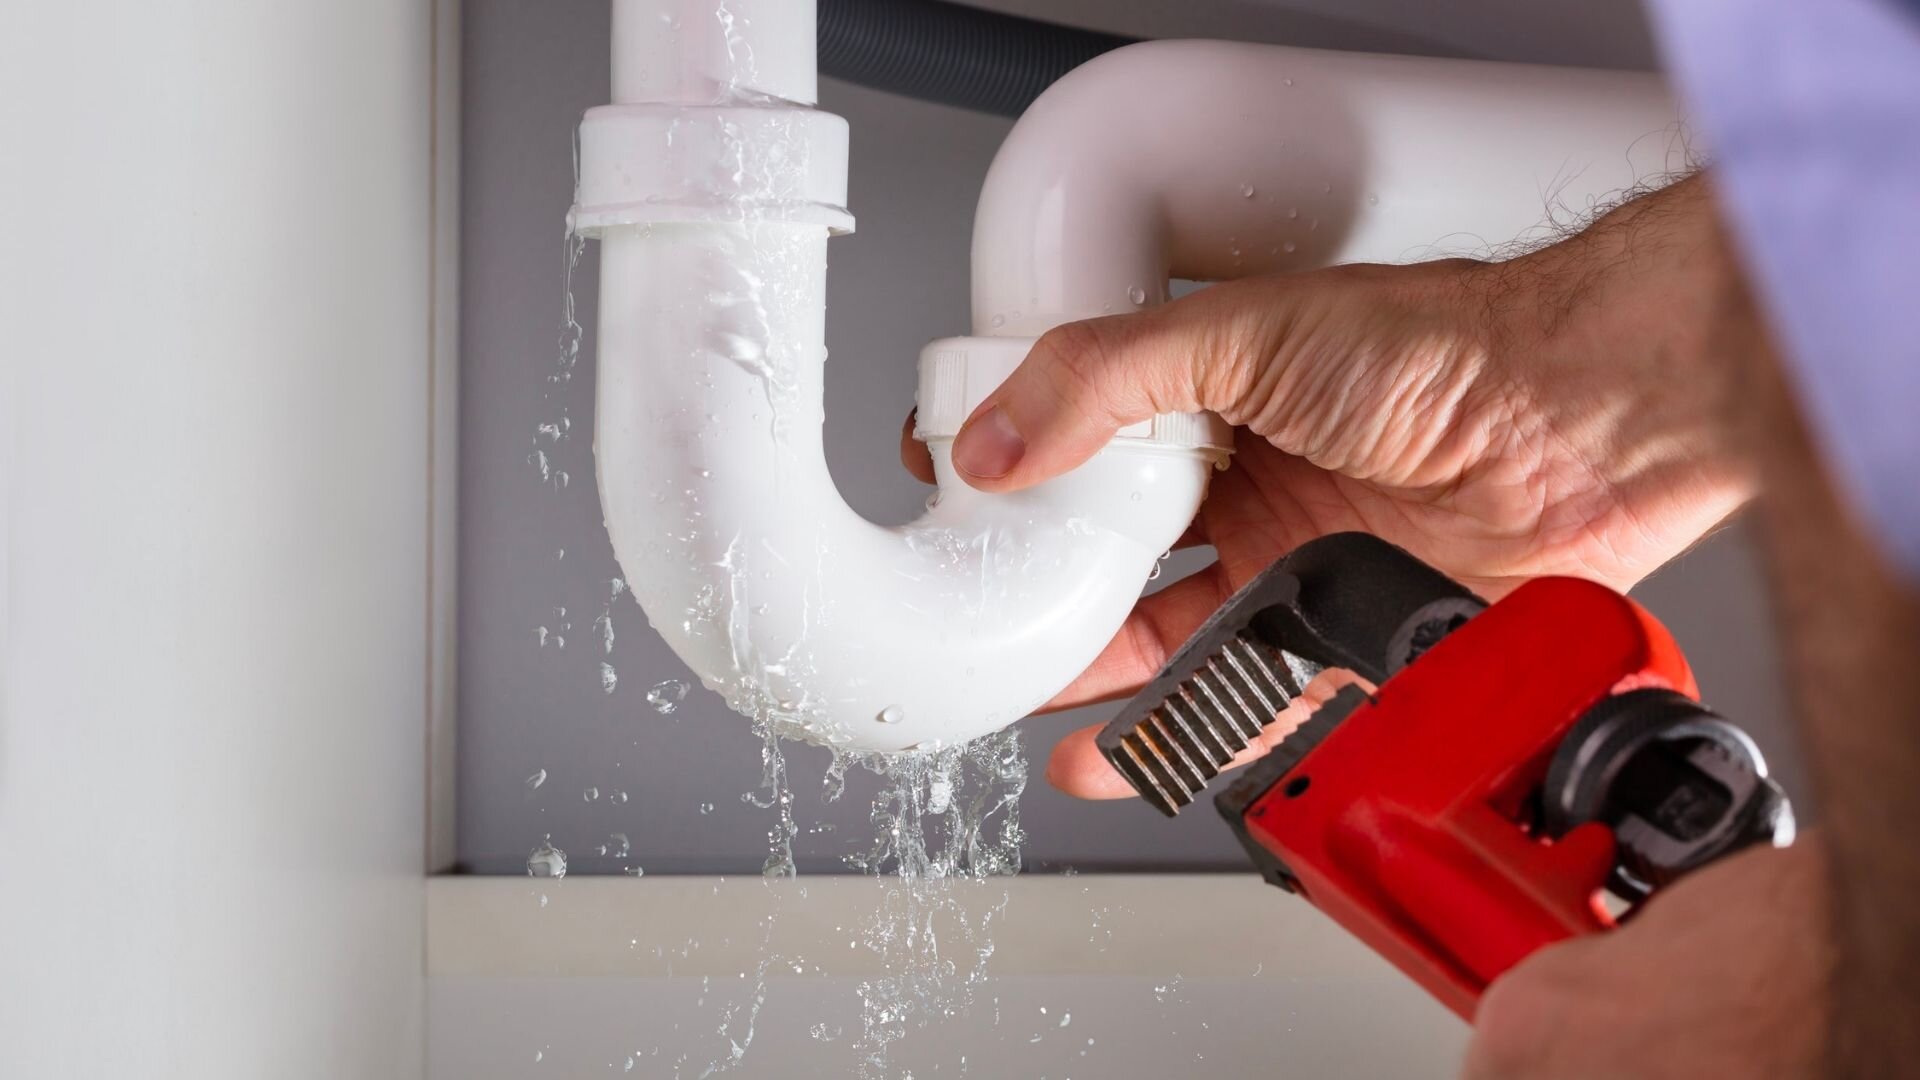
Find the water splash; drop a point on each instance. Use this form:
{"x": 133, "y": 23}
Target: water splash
{"x": 945, "y": 823}
{"x": 666, "y": 696}
{"x": 774, "y": 793}
{"x": 547, "y": 861}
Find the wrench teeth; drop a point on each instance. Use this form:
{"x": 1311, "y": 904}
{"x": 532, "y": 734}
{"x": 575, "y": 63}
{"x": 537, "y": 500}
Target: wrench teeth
{"x": 1223, "y": 698}
{"x": 1347, "y": 601}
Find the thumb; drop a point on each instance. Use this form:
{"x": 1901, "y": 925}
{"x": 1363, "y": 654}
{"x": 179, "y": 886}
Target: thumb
{"x": 1084, "y": 381}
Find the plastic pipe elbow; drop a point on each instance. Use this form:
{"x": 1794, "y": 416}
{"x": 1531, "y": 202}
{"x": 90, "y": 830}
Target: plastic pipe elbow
{"x": 1211, "y": 160}
{"x": 737, "y": 545}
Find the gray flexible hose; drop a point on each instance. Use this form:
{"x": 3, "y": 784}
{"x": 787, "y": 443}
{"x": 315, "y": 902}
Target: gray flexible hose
{"x": 950, "y": 53}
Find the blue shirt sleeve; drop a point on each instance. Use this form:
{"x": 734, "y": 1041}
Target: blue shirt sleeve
{"x": 1810, "y": 110}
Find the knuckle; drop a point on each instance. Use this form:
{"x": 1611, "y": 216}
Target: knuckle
{"x": 1074, "y": 362}
{"x": 1075, "y": 348}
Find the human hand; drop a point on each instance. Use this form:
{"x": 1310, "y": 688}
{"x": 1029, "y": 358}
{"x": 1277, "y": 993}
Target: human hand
{"x": 1723, "y": 973}
{"x": 1554, "y": 414}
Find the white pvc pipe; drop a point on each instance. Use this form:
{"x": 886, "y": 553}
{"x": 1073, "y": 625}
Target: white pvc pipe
{"x": 1210, "y": 160}
{"x": 701, "y": 53}
{"x": 711, "y": 347}
{"x": 734, "y": 540}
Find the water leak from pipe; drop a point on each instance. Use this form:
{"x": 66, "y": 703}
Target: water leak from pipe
{"x": 945, "y": 821}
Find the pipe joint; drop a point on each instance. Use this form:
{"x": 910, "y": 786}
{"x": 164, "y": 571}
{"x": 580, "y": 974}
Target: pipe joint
{"x": 770, "y": 161}
{"x": 957, "y": 374}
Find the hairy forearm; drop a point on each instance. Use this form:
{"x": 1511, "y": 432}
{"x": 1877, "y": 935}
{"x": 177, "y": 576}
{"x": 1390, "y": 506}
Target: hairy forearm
{"x": 1852, "y": 631}
{"x": 1643, "y": 286}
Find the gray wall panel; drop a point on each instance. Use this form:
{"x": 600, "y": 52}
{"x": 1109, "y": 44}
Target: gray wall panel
{"x": 531, "y": 70}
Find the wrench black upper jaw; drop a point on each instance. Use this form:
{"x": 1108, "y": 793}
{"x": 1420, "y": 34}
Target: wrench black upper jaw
{"x": 1348, "y": 600}
{"x": 1207, "y": 704}
{"x": 1171, "y": 746}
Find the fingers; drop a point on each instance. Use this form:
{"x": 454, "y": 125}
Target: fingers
{"x": 1084, "y": 381}
{"x": 914, "y": 455}
{"x": 913, "y": 452}
{"x": 1078, "y": 768}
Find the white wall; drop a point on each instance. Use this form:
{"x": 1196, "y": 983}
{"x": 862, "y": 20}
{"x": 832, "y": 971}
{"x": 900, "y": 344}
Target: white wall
{"x": 214, "y": 275}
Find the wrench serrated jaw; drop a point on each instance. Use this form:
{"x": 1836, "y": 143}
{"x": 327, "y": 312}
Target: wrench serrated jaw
{"x": 1210, "y": 703}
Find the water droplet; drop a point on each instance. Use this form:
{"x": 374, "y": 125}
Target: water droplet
{"x": 590, "y": 794}
{"x": 1372, "y": 199}
{"x": 1288, "y": 82}
{"x": 559, "y": 554}
{"x": 1136, "y": 294}
{"x": 541, "y": 633}
{"x": 892, "y": 714}
{"x": 547, "y": 861}
{"x": 706, "y": 808}
{"x": 538, "y": 778}
{"x": 1137, "y": 496}
{"x": 999, "y": 321}
{"x": 666, "y": 696}
{"x": 1246, "y": 191}
{"x": 1289, "y": 247}
{"x": 609, "y": 678}
{"x": 1292, "y": 212}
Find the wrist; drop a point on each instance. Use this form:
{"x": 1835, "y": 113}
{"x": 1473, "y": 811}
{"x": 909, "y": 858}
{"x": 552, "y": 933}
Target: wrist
{"x": 1618, "y": 337}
